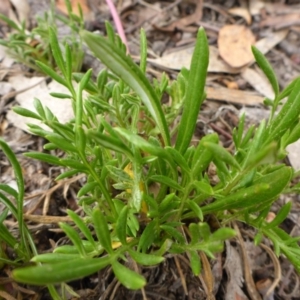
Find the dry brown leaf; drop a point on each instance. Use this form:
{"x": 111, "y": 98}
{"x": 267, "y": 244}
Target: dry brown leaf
{"x": 233, "y": 96}
{"x": 255, "y": 6}
{"x": 233, "y": 267}
{"x": 294, "y": 154}
{"x": 259, "y": 82}
{"x": 241, "y": 12}
{"x": 5, "y": 60}
{"x": 182, "y": 58}
{"x": 23, "y": 10}
{"x": 62, "y": 109}
{"x": 235, "y": 43}
{"x": 266, "y": 44}
{"x": 281, "y": 21}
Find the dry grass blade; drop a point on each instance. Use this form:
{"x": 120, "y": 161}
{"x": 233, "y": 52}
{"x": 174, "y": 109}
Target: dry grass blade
{"x": 251, "y": 288}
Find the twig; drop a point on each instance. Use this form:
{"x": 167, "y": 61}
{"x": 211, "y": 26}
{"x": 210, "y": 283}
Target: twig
{"x": 277, "y": 269}
{"x": 253, "y": 293}
{"x": 183, "y": 282}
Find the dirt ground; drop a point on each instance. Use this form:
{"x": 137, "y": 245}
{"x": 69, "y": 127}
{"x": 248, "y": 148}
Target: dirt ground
{"x": 234, "y": 85}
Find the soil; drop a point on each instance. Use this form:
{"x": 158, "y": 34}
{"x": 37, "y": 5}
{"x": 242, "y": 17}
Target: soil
{"x": 170, "y": 26}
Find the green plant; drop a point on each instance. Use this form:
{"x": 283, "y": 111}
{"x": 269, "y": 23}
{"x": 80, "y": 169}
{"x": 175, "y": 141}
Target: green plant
{"x": 27, "y": 47}
{"x": 24, "y": 248}
{"x": 121, "y": 139}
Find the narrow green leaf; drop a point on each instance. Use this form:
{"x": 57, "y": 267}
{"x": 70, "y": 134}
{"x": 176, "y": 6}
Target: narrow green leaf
{"x": 267, "y": 69}
{"x": 66, "y": 174}
{"x": 196, "y": 209}
{"x": 202, "y": 156}
{"x": 281, "y": 216}
{"x": 60, "y": 272}
{"x": 52, "y": 258}
{"x": 286, "y": 117}
{"x": 60, "y": 95}
{"x": 9, "y": 205}
{"x": 194, "y": 230}
{"x": 204, "y": 188}
{"x": 222, "y": 154}
{"x": 88, "y": 187}
{"x": 222, "y": 234}
{"x": 102, "y": 80}
{"x": 147, "y": 236}
{"x": 145, "y": 259}
{"x": 20, "y": 199}
{"x": 195, "y": 262}
{"x": 130, "y": 279}
{"x": 82, "y": 226}
{"x": 61, "y": 142}
{"x": 129, "y": 72}
{"x": 121, "y": 226}
{"x": 39, "y": 108}
{"x": 90, "y": 86}
{"x": 195, "y": 92}
{"x": 8, "y": 189}
{"x": 263, "y": 190}
{"x": 74, "y": 164}
{"x": 80, "y": 139}
{"x": 142, "y": 143}
{"x": 50, "y": 72}
{"x": 102, "y": 231}
{"x": 173, "y": 232}
{"x": 167, "y": 181}
{"x": 56, "y": 51}
{"x": 143, "y": 55}
{"x": 68, "y": 56}
{"x": 204, "y": 231}
{"x": 74, "y": 237}
{"x": 26, "y": 113}
{"x": 288, "y": 89}
{"x": 10, "y": 22}
{"x": 110, "y": 142}
{"x": 179, "y": 159}
{"x": 85, "y": 79}
{"x": 70, "y": 249}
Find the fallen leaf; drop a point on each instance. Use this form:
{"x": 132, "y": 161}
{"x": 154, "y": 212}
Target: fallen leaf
{"x": 233, "y": 267}
{"x": 294, "y": 157}
{"x": 259, "y": 82}
{"x": 266, "y": 44}
{"x": 62, "y": 109}
{"x": 255, "y": 6}
{"x": 182, "y": 58}
{"x": 233, "y": 96}
{"x": 234, "y": 44}
{"x": 281, "y": 21}
{"x": 23, "y": 10}
{"x": 241, "y": 12}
